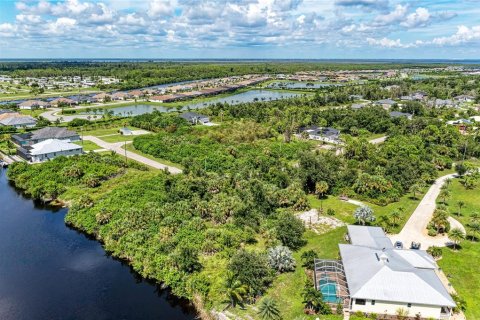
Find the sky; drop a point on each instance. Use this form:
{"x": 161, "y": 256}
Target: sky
{"x": 241, "y": 29}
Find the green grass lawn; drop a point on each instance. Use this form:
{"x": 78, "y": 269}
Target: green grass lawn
{"x": 116, "y": 138}
{"x": 344, "y": 210}
{"x": 462, "y": 265}
{"x": 88, "y": 145}
{"x": 104, "y": 131}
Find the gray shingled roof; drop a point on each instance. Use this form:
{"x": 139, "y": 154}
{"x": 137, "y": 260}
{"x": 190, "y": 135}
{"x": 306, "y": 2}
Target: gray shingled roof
{"x": 52, "y": 133}
{"x": 16, "y": 121}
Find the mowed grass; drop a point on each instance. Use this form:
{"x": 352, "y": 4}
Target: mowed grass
{"x": 88, "y": 145}
{"x": 462, "y": 265}
{"x": 344, "y": 210}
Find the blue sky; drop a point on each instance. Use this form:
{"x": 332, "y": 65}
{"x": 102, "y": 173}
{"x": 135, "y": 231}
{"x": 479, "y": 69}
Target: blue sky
{"x": 288, "y": 29}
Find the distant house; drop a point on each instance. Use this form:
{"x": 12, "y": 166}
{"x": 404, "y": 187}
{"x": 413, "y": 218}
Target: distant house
{"x": 32, "y": 104}
{"x": 329, "y": 135}
{"x": 444, "y": 103}
{"x": 136, "y": 93}
{"x": 101, "y": 97}
{"x": 49, "y": 149}
{"x": 397, "y": 114}
{"x": 125, "y": 131}
{"x": 356, "y": 97}
{"x": 120, "y": 95}
{"x": 64, "y": 101}
{"x": 8, "y": 114}
{"x": 385, "y": 103}
{"x": 373, "y": 277}
{"x": 46, "y": 133}
{"x": 163, "y": 98}
{"x": 464, "y": 98}
{"x": 19, "y": 122}
{"x": 195, "y": 118}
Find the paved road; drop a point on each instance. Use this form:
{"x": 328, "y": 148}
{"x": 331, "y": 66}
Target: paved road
{"x": 416, "y": 227}
{"x": 117, "y": 147}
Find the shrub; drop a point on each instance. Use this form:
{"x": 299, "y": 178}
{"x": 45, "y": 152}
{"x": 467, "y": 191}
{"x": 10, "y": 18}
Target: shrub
{"x": 330, "y": 212}
{"x": 251, "y": 269}
{"x": 308, "y": 259}
{"x": 435, "y": 252}
{"x": 280, "y": 259}
{"x": 290, "y": 230}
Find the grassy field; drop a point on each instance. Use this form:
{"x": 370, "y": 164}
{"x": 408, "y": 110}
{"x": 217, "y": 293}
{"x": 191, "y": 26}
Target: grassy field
{"x": 462, "y": 265}
{"x": 131, "y": 148}
{"x": 88, "y": 145}
{"x": 344, "y": 210}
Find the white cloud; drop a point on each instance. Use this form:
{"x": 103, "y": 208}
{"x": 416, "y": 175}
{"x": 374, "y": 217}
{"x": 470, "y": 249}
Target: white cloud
{"x": 419, "y": 18}
{"x": 463, "y": 35}
{"x": 387, "y": 43}
{"x": 7, "y": 29}
{"x": 160, "y": 8}
{"x": 392, "y": 17}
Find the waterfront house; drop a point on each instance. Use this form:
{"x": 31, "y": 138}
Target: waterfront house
{"x": 120, "y": 96}
{"x": 163, "y": 98}
{"x": 49, "y": 149}
{"x": 101, "y": 97}
{"x": 46, "y": 133}
{"x": 195, "y": 118}
{"x": 373, "y": 277}
{"x": 64, "y": 101}
{"x": 136, "y": 94}
{"x": 33, "y": 104}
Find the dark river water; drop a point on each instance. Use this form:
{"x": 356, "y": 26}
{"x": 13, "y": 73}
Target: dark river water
{"x": 49, "y": 271}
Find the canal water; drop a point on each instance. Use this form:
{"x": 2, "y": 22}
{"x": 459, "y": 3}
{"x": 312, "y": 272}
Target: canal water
{"x": 244, "y": 97}
{"x": 49, "y": 271}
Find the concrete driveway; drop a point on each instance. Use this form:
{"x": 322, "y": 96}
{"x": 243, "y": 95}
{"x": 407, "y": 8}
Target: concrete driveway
{"x": 416, "y": 227}
{"x": 117, "y": 147}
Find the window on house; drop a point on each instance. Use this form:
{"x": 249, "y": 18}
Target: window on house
{"x": 361, "y": 302}
{"x": 373, "y": 302}
{"x": 409, "y": 305}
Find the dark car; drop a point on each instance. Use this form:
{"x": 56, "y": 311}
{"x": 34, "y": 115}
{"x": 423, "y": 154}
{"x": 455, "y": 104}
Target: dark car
{"x": 398, "y": 245}
{"x": 415, "y": 245}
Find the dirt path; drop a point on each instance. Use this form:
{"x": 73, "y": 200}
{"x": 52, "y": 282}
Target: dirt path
{"x": 117, "y": 147}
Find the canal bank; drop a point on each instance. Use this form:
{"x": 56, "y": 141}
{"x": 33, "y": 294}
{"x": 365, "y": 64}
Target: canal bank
{"x": 50, "y": 271}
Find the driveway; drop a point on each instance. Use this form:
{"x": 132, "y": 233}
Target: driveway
{"x": 416, "y": 227}
{"x": 117, "y": 147}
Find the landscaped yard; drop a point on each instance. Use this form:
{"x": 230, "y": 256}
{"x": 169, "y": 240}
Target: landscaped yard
{"x": 462, "y": 265}
{"x": 88, "y": 145}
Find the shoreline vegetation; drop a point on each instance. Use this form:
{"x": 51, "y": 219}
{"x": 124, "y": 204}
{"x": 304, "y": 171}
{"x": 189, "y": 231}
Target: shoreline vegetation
{"x": 214, "y": 233}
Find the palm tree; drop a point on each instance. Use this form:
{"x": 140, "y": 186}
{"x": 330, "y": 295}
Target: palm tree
{"x": 460, "y": 205}
{"x": 457, "y": 235}
{"x": 475, "y": 217}
{"x": 268, "y": 309}
{"x": 236, "y": 291}
{"x": 395, "y": 215}
{"x": 415, "y": 188}
{"x": 445, "y": 194}
{"x": 321, "y": 188}
{"x": 475, "y": 227}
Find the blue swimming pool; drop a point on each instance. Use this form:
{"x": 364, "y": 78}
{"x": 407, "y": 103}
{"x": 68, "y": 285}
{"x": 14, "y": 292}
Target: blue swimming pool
{"x": 328, "y": 289}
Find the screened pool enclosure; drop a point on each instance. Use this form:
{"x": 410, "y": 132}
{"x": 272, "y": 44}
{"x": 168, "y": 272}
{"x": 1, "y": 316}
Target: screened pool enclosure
{"x": 329, "y": 279}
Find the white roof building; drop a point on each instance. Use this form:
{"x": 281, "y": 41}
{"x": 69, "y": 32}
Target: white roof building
{"x": 52, "y": 148}
{"x": 374, "y": 277}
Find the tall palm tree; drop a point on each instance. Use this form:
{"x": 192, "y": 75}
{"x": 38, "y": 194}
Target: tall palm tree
{"x": 457, "y": 235}
{"x": 268, "y": 309}
{"x": 415, "y": 188}
{"x": 475, "y": 227}
{"x": 321, "y": 188}
{"x": 460, "y": 205}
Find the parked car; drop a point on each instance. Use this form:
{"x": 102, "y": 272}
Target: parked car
{"x": 398, "y": 245}
{"x": 415, "y": 245}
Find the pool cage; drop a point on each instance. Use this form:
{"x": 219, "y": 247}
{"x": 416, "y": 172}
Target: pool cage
{"x": 329, "y": 279}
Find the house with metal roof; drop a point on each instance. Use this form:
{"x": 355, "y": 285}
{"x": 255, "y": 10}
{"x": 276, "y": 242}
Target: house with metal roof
{"x": 374, "y": 277}
{"x": 195, "y": 118}
{"x": 398, "y": 114}
{"x": 49, "y": 149}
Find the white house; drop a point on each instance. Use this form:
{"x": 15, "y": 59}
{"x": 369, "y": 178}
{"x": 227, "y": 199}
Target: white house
{"x": 50, "y": 149}
{"x": 32, "y": 104}
{"x": 19, "y": 122}
{"x": 374, "y": 277}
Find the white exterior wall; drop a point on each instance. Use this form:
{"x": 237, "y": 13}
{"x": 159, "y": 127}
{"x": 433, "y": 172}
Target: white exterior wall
{"x": 46, "y": 156}
{"x": 382, "y": 307}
